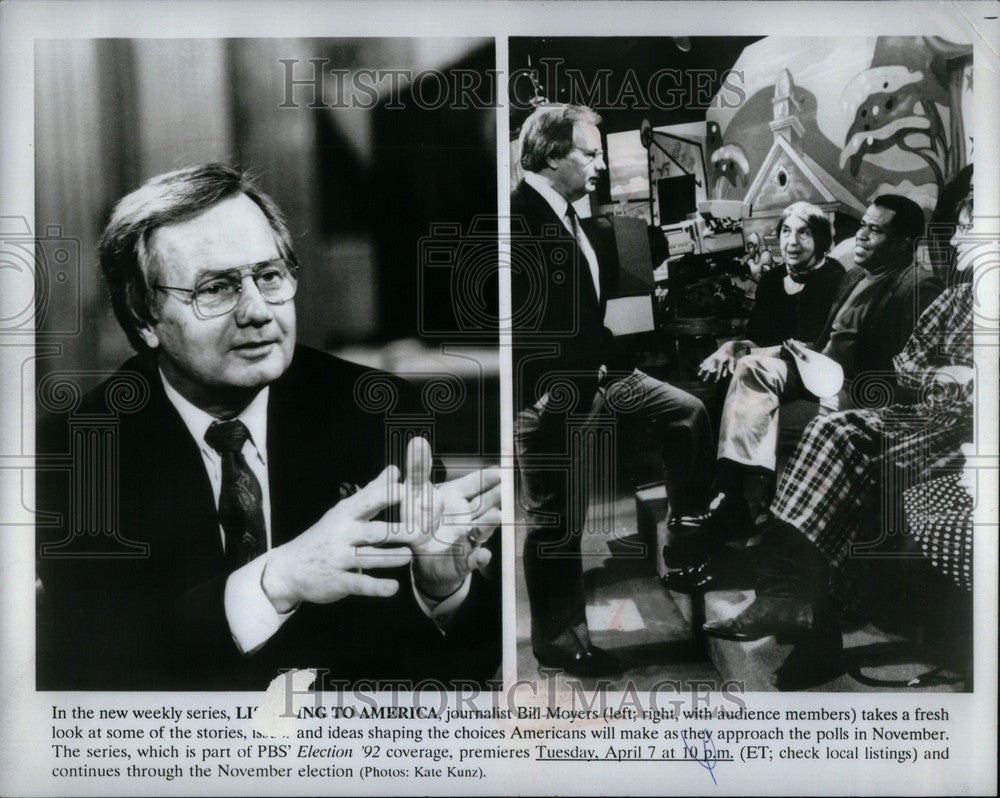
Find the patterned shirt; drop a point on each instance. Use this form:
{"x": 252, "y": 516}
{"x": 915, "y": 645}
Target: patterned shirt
{"x": 943, "y": 337}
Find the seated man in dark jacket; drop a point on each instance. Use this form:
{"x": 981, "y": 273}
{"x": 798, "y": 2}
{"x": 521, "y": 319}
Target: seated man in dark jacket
{"x": 209, "y": 531}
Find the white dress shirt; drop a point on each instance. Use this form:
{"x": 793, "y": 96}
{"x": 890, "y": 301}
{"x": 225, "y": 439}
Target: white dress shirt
{"x": 559, "y": 204}
{"x": 251, "y": 616}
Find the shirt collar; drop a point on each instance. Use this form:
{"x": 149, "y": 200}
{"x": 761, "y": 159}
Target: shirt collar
{"x": 254, "y": 416}
{"x": 556, "y": 201}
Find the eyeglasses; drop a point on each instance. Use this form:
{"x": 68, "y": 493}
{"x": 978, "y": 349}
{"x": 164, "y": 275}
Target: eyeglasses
{"x": 219, "y": 293}
{"x": 963, "y": 228}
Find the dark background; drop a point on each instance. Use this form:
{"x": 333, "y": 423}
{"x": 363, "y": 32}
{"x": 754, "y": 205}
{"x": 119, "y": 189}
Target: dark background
{"x": 361, "y": 188}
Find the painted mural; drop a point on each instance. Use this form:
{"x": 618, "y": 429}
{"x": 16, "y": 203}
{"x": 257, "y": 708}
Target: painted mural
{"x": 873, "y": 115}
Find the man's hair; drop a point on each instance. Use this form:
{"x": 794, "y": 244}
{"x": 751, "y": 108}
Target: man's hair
{"x": 909, "y": 219}
{"x": 817, "y": 222}
{"x": 953, "y": 198}
{"x": 956, "y": 194}
{"x": 169, "y": 198}
{"x": 548, "y": 133}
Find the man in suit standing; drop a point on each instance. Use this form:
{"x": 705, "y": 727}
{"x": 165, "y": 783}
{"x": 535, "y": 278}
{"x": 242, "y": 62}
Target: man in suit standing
{"x": 563, "y": 270}
{"x": 236, "y": 549}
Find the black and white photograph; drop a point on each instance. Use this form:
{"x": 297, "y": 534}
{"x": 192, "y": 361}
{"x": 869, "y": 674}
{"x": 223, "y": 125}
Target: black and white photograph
{"x": 233, "y": 481}
{"x": 499, "y": 397}
{"x": 743, "y": 328}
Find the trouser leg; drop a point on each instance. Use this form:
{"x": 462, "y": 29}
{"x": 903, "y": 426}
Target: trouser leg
{"x": 842, "y": 484}
{"x": 749, "y": 430}
{"x": 681, "y": 427}
{"x": 553, "y": 496}
{"x": 789, "y": 564}
{"x": 833, "y": 475}
{"x": 747, "y": 445}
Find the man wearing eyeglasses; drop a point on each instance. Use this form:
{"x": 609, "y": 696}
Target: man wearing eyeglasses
{"x": 570, "y": 385}
{"x": 251, "y": 484}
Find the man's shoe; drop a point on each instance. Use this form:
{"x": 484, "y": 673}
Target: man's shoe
{"x": 785, "y": 617}
{"x": 592, "y": 661}
{"x": 726, "y": 518}
{"x": 684, "y": 580}
{"x": 724, "y": 571}
{"x": 815, "y": 660}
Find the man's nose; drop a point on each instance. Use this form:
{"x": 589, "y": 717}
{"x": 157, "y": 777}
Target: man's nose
{"x": 600, "y": 164}
{"x": 252, "y": 308}
{"x": 862, "y": 232}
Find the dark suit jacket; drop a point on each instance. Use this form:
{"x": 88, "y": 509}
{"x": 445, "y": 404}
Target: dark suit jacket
{"x": 109, "y": 619}
{"x": 889, "y": 324}
{"x": 558, "y": 319}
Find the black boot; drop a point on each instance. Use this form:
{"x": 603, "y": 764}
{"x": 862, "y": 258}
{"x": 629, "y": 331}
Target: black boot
{"x": 815, "y": 660}
{"x": 792, "y": 585}
{"x": 723, "y": 569}
{"x": 694, "y": 543}
{"x": 727, "y": 516}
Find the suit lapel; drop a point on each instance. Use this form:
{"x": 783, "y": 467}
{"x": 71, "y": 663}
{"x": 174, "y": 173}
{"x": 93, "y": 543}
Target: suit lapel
{"x": 312, "y": 430}
{"x": 284, "y": 440}
{"x": 847, "y": 285}
{"x": 601, "y": 235}
{"x": 183, "y": 512}
{"x": 583, "y": 276}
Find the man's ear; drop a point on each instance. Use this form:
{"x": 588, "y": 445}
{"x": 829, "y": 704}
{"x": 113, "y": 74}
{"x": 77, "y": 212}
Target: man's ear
{"x": 905, "y": 248}
{"x": 148, "y": 334}
{"x": 144, "y": 319}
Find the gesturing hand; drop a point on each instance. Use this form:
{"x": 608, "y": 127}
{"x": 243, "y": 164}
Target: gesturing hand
{"x": 320, "y": 565}
{"x": 446, "y": 524}
{"x": 719, "y": 364}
